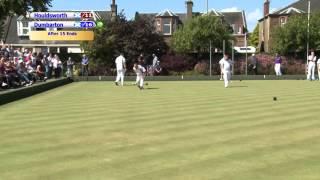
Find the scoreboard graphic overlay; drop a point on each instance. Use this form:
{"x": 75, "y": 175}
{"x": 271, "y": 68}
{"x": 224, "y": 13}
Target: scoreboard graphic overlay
{"x": 62, "y": 26}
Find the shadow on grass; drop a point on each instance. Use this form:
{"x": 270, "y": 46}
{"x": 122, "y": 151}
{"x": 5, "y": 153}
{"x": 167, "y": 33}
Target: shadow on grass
{"x": 238, "y": 86}
{"x": 151, "y": 88}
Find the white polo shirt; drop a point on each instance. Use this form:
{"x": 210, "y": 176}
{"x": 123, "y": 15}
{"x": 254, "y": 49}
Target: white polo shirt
{"x": 139, "y": 70}
{"x": 120, "y": 61}
{"x": 221, "y": 62}
{"x": 227, "y": 64}
{"x": 312, "y": 59}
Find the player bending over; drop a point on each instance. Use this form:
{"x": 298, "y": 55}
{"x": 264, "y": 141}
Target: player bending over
{"x": 226, "y": 65}
{"x": 140, "y": 71}
{"x": 140, "y": 61}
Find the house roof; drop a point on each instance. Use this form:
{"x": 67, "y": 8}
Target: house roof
{"x": 292, "y": 10}
{"x": 166, "y": 13}
{"x": 10, "y": 35}
{"x": 213, "y": 12}
{"x": 181, "y": 16}
{"x": 233, "y": 17}
{"x": 300, "y": 6}
{"x": 230, "y": 17}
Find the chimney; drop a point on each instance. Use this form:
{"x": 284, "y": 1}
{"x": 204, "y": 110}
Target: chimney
{"x": 266, "y": 8}
{"x": 189, "y": 4}
{"x": 114, "y": 10}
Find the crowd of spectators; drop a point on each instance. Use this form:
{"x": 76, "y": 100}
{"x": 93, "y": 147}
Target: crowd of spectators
{"x": 24, "y": 68}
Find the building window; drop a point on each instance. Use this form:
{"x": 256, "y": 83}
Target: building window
{"x": 283, "y": 21}
{"x": 240, "y": 30}
{"x": 158, "y": 25}
{"x": 174, "y": 26}
{"x": 25, "y": 31}
{"x": 23, "y": 28}
{"x": 25, "y": 24}
{"x": 233, "y": 26}
{"x": 166, "y": 27}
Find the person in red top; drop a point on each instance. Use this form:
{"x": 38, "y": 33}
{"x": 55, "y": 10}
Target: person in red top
{"x": 11, "y": 74}
{"x": 40, "y": 72}
{"x": 3, "y": 81}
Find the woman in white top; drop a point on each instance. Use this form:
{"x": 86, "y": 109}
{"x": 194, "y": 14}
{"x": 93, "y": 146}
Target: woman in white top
{"x": 50, "y": 65}
{"x": 311, "y": 66}
{"x": 56, "y": 66}
{"x": 318, "y": 69}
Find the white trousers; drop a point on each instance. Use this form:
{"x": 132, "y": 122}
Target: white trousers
{"x": 140, "y": 80}
{"x": 311, "y": 69}
{"x": 69, "y": 72}
{"x": 277, "y": 68}
{"x": 226, "y": 78}
{"x": 120, "y": 76}
{"x": 319, "y": 71}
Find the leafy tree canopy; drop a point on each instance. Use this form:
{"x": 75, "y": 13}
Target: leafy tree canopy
{"x": 293, "y": 36}
{"x": 254, "y": 37}
{"x": 196, "y": 33}
{"x": 21, "y": 7}
{"x": 132, "y": 38}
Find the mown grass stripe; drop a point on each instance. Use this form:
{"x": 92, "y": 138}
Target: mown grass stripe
{"x": 172, "y": 153}
{"x": 258, "y": 133}
{"x": 149, "y": 123}
{"x": 180, "y": 127}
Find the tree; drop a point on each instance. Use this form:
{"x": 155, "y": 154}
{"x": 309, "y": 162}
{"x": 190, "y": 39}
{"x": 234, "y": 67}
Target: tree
{"x": 21, "y": 7}
{"x": 254, "y": 37}
{"x": 196, "y": 33}
{"x": 293, "y": 36}
{"x": 129, "y": 37}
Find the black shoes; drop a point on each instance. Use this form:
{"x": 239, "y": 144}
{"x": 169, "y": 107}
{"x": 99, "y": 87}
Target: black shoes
{"x": 141, "y": 87}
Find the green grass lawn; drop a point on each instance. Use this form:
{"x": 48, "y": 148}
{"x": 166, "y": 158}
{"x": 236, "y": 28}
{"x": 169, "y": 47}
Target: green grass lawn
{"x": 172, "y": 130}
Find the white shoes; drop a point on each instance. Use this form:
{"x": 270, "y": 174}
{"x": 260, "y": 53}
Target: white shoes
{"x": 4, "y": 84}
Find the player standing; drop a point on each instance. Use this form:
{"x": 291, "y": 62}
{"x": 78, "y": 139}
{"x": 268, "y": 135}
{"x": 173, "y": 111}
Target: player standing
{"x": 221, "y": 69}
{"x": 253, "y": 64}
{"x": 155, "y": 61}
{"x": 121, "y": 68}
{"x": 311, "y": 66}
{"x": 155, "y": 68}
{"x": 85, "y": 65}
{"x": 277, "y": 65}
{"x": 226, "y": 65}
{"x": 70, "y": 64}
{"x": 140, "y": 71}
{"x": 318, "y": 64}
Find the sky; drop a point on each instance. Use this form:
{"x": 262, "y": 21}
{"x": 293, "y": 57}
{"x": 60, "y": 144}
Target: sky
{"x": 252, "y": 8}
